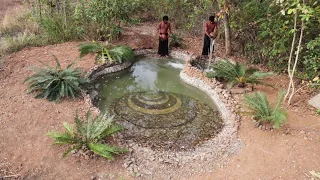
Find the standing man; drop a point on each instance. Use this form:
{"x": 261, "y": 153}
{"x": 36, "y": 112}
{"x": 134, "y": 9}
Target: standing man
{"x": 163, "y": 29}
{"x": 209, "y": 28}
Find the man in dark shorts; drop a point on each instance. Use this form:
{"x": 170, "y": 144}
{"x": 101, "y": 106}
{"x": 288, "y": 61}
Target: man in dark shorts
{"x": 209, "y": 27}
{"x": 163, "y": 29}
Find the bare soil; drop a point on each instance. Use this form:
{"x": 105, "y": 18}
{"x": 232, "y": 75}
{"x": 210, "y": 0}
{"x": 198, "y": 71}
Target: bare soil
{"x": 288, "y": 153}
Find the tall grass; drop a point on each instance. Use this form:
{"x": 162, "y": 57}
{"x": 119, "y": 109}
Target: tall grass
{"x": 19, "y": 30}
{"x": 10, "y": 44}
{"x": 18, "y": 20}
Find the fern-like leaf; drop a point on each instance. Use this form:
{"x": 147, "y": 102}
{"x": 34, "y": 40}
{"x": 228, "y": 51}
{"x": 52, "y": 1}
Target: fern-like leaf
{"x": 237, "y": 73}
{"x": 105, "y": 150}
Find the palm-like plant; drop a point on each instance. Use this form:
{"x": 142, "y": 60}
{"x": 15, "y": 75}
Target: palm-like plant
{"x": 89, "y": 133}
{"x": 237, "y": 74}
{"x": 103, "y": 51}
{"x": 54, "y": 83}
{"x": 259, "y": 107}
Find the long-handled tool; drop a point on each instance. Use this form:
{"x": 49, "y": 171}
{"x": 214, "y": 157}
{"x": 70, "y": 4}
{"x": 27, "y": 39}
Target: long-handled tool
{"x": 211, "y": 52}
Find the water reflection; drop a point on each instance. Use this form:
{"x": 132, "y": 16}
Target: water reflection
{"x": 147, "y": 75}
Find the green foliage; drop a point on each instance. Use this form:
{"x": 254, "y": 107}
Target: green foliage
{"x": 54, "y": 83}
{"x": 312, "y": 59}
{"x": 260, "y": 108}
{"x": 57, "y": 31}
{"x": 185, "y": 14}
{"x": 318, "y": 111}
{"x": 237, "y": 74}
{"x": 265, "y": 31}
{"x": 89, "y": 133}
{"x": 116, "y": 54}
{"x": 106, "y": 15}
{"x": 176, "y": 41}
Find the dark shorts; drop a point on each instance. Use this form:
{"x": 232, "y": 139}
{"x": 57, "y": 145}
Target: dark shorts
{"x": 163, "y": 49}
{"x": 206, "y": 45}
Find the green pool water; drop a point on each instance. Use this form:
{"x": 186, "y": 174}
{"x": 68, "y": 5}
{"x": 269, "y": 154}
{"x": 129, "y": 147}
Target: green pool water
{"x": 156, "y": 108}
{"x": 148, "y": 74}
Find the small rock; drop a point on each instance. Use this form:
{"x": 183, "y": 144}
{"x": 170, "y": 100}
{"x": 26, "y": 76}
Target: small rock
{"x": 302, "y": 132}
{"x": 218, "y": 90}
{"x": 264, "y": 127}
{"x": 220, "y": 86}
{"x": 93, "y": 178}
{"x": 86, "y": 157}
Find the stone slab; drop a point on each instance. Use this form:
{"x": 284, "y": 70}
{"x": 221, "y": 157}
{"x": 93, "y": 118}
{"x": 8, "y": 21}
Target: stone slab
{"x": 315, "y": 101}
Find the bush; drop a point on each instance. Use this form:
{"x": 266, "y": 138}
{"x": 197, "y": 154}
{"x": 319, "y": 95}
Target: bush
{"x": 260, "y": 108}
{"x": 312, "y": 59}
{"x": 89, "y": 133}
{"x": 237, "y": 74}
{"x": 176, "y": 41}
{"x": 54, "y": 83}
{"x": 112, "y": 53}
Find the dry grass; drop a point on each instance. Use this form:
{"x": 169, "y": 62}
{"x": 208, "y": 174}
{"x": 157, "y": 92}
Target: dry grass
{"x": 18, "y": 30}
{"x": 7, "y": 4}
{"x": 18, "y": 20}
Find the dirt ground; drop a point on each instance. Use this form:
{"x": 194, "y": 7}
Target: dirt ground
{"x": 288, "y": 153}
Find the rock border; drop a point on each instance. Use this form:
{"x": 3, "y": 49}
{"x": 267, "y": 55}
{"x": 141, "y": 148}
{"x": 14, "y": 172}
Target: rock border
{"x": 100, "y": 70}
{"x": 143, "y": 161}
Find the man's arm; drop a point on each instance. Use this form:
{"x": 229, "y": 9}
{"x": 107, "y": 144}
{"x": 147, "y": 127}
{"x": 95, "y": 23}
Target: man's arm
{"x": 206, "y": 29}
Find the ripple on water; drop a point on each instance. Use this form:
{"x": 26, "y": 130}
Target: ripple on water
{"x": 164, "y": 120}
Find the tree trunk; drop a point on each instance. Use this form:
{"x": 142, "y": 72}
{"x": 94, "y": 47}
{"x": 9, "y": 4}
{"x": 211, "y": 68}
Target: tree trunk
{"x": 290, "y": 57}
{"x": 295, "y": 63}
{"x": 227, "y": 34}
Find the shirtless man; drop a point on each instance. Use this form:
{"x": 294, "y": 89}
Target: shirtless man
{"x": 164, "y": 28}
{"x": 208, "y": 28}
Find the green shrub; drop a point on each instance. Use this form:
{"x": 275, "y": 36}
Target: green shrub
{"x": 54, "y": 83}
{"x": 176, "y": 41}
{"x": 260, "y": 108}
{"x": 312, "y": 59}
{"x": 56, "y": 29}
{"x": 89, "y": 133}
{"x": 112, "y": 53}
{"x": 237, "y": 74}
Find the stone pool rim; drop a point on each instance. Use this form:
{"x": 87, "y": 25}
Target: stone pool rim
{"x": 226, "y": 142}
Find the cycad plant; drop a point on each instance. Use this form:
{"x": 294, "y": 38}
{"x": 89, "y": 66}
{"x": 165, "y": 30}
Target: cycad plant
{"x": 54, "y": 83}
{"x": 261, "y": 110}
{"x": 237, "y": 73}
{"x": 116, "y": 54}
{"x": 89, "y": 134}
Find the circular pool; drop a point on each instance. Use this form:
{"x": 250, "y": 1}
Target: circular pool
{"x": 156, "y": 108}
